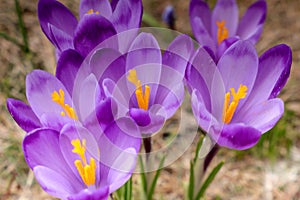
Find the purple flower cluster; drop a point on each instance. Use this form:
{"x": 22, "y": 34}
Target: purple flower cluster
{"x": 114, "y": 85}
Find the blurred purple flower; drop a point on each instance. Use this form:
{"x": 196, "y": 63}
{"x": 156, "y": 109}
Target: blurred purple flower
{"x": 218, "y": 29}
{"x": 168, "y": 16}
{"x": 75, "y": 163}
{"x": 235, "y": 101}
{"x": 147, "y": 85}
{"x": 98, "y": 21}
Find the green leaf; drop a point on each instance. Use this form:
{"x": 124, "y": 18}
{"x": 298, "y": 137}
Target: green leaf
{"x": 11, "y": 39}
{"x": 22, "y": 27}
{"x": 153, "y": 184}
{"x": 143, "y": 175}
{"x": 128, "y": 189}
{"x": 151, "y": 21}
{"x": 198, "y": 148}
{"x": 209, "y": 179}
{"x": 191, "y": 182}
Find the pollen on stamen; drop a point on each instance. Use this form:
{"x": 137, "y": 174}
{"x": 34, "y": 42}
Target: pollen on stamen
{"x": 222, "y": 33}
{"x": 142, "y": 97}
{"x": 229, "y": 108}
{"x": 59, "y": 98}
{"x": 91, "y": 11}
{"x": 86, "y": 171}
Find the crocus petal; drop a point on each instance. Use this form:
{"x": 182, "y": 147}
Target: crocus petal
{"x": 54, "y": 13}
{"x": 175, "y": 60}
{"x": 204, "y": 76}
{"x": 86, "y": 96}
{"x": 250, "y": 26}
{"x": 99, "y": 194}
{"x": 40, "y": 86}
{"x": 264, "y": 115}
{"x": 106, "y": 112}
{"x": 157, "y": 115}
{"x": 120, "y": 141}
{"x": 273, "y": 72}
{"x": 199, "y": 8}
{"x": 91, "y": 31}
{"x": 114, "y": 4}
{"x": 140, "y": 116}
{"x": 241, "y": 62}
{"x": 67, "y": 68}
{"x": 23, "y": 115}
{"x": 116, "y": 177}
{"x": 226, "y": 10}
{"x": 54, "y": 121}
{"x": 145, "y": 57}
{"x": 54, "y": 183}
{"x": 201, "y": 34}
{"x": 61, "y": 40}
{"x": 225, "y": 44}
{"x": 170, "y": 97}
{"x": 41, "y": 148}
{"x": 127, "y": 15}
{"x": 203, "y": 116}
{"x": 103, "y": 7}
{"x": 237, "y": 136}
{"x": 107, "y": 63}
{"x": 145, "y": 51}
{"x": 72, "y": 132}
{"x": 120, "y": 95}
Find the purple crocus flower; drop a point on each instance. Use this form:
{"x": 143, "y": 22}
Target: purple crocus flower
{"x": 75, "y": 163}
{"x": 98, "y": 21}
{"x": 220, "y": 28}
{"x": 52, "y": 105}
{"x": 235, "y": 101}
{"x": 147, "y": 85}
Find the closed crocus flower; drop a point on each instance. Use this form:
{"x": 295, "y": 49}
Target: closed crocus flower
{"x": 235, "y": 101}
{"x": 52, "y": 105}
{"x": 75, "y": 163}
{"x": 220, "y": 28}
{"x": 148, "y": 85}
{"x": 98, "y": 21}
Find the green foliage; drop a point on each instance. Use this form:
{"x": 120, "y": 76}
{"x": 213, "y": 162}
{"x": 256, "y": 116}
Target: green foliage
{"x": 197, "y": 190}
{"x": 275, "y": 143}
{"x": 13, "y": 166}
{"x": 125, "y": 192}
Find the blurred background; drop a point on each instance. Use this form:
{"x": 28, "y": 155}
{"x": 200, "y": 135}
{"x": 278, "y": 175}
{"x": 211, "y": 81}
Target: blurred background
{"x": 270, "y": 170}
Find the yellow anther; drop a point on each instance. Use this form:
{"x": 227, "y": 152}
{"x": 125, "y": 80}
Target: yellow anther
{"x": 229, "y": 108}
{"x": 222, "y": 31}
{"x": 132, "y": 77}
{"x": 91, "y": 11}
{"x": 142, "y": 97}
{"x": 59, "y": 98}
{"x": 86, "y": 171}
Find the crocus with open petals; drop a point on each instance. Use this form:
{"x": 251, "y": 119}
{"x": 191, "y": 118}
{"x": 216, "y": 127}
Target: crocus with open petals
{"x": 220, "y": 28}
{"x": 235, "y": 101}
{"x": 75, "y": 163}
{"x": 52, "y": 105}
{"x": 147, "y": 85}
{"x": 98, "y": 21}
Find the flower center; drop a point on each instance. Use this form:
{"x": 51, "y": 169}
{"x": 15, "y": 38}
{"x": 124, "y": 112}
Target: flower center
{"x": 86, "y": 171}
{"x": 59, "y": 98}
{"x": 91, "y": 11}
{"x": 222, "y": 31}
{"x": 229, "y": 108}
{"x": 142, "y": 97}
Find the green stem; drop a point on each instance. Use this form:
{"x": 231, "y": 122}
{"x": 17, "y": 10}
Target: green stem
{"x": 11, "y": 39}
{"x": 22, "y": 27}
